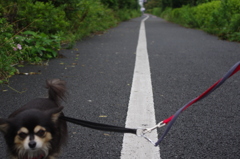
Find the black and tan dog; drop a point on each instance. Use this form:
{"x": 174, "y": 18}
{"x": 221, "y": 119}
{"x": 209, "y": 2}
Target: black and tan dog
{"x": 35, "y": 131}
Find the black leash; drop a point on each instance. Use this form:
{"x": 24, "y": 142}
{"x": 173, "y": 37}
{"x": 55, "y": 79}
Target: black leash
{"x": 99, "y": 126}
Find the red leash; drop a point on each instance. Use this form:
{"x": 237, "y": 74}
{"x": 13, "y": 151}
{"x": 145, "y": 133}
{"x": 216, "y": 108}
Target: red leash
{"x": 231, "y": 72}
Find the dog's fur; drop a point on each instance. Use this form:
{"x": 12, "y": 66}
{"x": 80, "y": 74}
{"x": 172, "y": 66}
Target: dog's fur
{"x": 35, "y": 131}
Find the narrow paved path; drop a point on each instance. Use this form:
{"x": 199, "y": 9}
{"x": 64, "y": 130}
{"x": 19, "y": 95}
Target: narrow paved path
{"x": 99, "y": 73}
{"x": 184, "y": 63}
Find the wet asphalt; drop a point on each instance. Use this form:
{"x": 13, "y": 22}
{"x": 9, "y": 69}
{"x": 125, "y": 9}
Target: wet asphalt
{"x": 99, "y": 69}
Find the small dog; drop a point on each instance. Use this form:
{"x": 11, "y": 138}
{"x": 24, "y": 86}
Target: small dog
{"x": 35, "y": 131}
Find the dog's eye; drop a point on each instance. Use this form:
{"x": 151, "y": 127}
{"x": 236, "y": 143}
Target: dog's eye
{"x": 40, "y": 133}
{"x": 22, "y": 135}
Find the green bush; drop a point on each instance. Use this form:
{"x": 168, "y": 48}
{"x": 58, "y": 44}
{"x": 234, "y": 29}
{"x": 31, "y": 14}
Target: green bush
{"x": 234, "y": 25}
{"x": 42, "y": 17}
{"x": 203, "y": 13}
{"x": 233, "y": 6}
{"x": 185, "y": 16}
{"x": 7, "y": 57}
{"x": 91, "y": 16}
{"x": 156, "y": 11}
{"x": 99, "y": 17}
{"x": 113, "y": 4}
{"x": 166, "y": 14}
{"x": 38, "y": 46}
{"x": 231, "y": 30}
{"x": 219, "y": 17}
{"x": 225, "y": 22}
{"x": 32, "y": 30}
{"x": 126, "y": 14}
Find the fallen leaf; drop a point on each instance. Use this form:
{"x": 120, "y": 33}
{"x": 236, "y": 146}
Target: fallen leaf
{"x": 106, "y": 134}
{"x": 34, "y": 73}
{"x": 102, "y": 116}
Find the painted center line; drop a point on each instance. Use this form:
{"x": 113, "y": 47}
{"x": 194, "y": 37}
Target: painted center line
{"x": 141, "y": 111}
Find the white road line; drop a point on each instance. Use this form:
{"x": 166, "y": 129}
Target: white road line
{"x": 141, "y": 111}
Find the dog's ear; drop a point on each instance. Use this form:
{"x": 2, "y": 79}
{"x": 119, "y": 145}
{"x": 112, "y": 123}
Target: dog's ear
{"x": 55, "y": 113}
{"x": 4, "y": 125}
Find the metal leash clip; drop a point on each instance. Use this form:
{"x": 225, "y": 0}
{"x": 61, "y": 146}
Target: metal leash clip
{"x": 141, "y": 132}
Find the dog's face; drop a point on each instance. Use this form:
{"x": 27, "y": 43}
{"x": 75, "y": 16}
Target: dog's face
{"x": 29, "y": 133}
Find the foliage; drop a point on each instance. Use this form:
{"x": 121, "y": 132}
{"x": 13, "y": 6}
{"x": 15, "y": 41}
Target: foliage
{"x": 33, "y": 30}
{"x": 203, "y": 13}
{"x": 110, "y": 3}
{"x": 151, "y": 4}
{"x": 93, "y": 17}
{"x": 157, "y": 11}
{"x": 29, "y": 46}
{"x": 126, "y": 14}
{"x": 163, "y": 4}
{"x": 225, "y": 21}
{"x": 128, "y": 4}
{"x": 185, "y": 16}
{"x": 7, "y": 57}
{"x": 219, "y": 17}
{"x": 38, "y": 46}
{"x": 42, "y": 17}
{"x": 166, "y": 14}
{"x": 121, "y": 4}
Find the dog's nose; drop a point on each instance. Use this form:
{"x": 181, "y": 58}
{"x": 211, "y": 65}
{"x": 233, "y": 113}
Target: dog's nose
{"x": 32, "y": 144}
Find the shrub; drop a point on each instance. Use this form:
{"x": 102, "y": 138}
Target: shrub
{"x": 126, "y": 14}
{"x": 156, "y": 11}
{"x": 27, "y": 46}
{"x": 166, "y": 14}
{"x": 184, "y": 16}
{"x": 233, "y": 31}
{"x": 203, "y": 13}
{"x": 42, "y": 17}
{"x": 217, "y": 17}
{"x": 7, "y": 54}
{"x": 38, "y": 46}
{"x": 234, "y": 25}
{"x": 91, "y": 16}
{"x": 232, "y": 6}
{"x": 32, "y": 30}
{"x": 225, "y": 20}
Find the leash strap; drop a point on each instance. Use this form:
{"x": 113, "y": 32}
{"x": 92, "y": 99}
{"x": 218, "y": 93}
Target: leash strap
{"x": 98, "y": 126}
{"x": 170, "y": 121}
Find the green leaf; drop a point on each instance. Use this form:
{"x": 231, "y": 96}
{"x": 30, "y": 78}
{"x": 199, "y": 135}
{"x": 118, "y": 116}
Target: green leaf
{"x": 29, "y": 33}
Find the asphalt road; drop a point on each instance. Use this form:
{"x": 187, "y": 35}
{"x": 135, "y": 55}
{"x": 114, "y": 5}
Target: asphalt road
{"x": 99, "y": 70}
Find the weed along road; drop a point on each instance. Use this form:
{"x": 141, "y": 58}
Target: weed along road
{"x": 136, "y": 75}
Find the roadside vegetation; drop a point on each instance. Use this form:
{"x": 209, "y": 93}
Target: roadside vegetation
{"x": 218, "y": 17}
{"x": 35, "y": 30}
